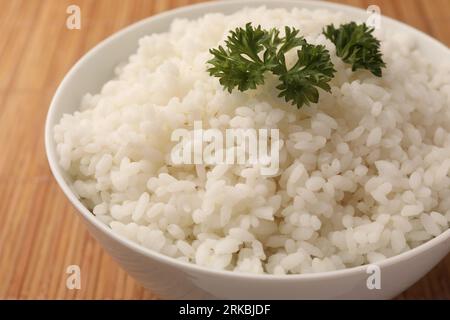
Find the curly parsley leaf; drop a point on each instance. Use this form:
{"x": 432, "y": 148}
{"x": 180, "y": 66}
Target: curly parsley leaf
{"x": 250, "y": 52}
{"x": 312, "y": 70}
{"x": 356, "y": 45}
{"x": 240, "y": 64}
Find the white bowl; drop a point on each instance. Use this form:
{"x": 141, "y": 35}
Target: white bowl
{"x": 174, "y": 279}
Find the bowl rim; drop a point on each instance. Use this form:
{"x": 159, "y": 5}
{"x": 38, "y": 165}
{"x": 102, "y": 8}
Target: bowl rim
{"x": 188, "y": 266}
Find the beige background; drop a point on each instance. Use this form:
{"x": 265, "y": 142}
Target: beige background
{"x": 40, "y": 235}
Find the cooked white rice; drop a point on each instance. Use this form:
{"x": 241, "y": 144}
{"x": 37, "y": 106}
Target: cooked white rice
{"x": 363, "y": 174}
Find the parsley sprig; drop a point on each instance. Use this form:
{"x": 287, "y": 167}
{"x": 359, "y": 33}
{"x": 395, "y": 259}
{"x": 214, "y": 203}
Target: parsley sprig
{"x": 251, "y": 52}
{"x": 312, "y": 70}
{"x": 240, "y": 64}
{"x": 357, "y": 46}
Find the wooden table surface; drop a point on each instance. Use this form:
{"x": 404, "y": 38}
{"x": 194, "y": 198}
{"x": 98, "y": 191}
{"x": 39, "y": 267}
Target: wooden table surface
{"x": 40, "y": 234}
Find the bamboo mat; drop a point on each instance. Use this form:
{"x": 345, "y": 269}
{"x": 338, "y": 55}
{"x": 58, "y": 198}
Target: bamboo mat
{"x": 40, "y": 234}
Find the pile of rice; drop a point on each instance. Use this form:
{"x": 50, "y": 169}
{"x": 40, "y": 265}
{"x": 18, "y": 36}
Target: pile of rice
{"x": 363, "y": 174}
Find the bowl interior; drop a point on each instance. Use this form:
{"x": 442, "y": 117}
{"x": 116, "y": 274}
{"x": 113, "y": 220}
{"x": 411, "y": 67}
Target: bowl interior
{"x": 96, "y": 67}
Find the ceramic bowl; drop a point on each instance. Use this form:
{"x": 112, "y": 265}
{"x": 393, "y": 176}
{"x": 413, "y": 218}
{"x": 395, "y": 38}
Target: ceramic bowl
{"x": 170, "y": 278}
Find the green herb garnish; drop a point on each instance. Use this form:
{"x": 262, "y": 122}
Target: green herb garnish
{"x": 312, "y": 70}
{"x": 250, "y": 52}
{"x": 356, "y": 45}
